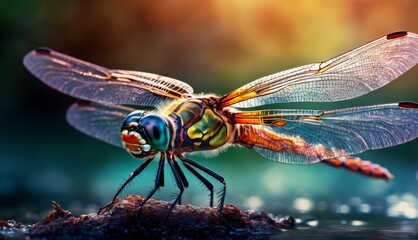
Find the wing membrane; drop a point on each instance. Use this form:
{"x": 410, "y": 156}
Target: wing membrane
{"x": 98, "y": 121}
{"x": 347, "y": 76}
{"x": 91, "y": 82}
{"x": 309, "y": 136}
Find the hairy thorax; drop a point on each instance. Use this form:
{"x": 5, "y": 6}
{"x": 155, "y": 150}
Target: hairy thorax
{"x": 199, "y": 125}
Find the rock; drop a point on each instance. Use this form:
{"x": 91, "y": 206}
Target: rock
{"x": 124, "y": 220}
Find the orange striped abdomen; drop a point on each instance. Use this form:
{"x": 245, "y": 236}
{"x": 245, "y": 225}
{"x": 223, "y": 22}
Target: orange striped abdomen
{"x": 355, "y": 164}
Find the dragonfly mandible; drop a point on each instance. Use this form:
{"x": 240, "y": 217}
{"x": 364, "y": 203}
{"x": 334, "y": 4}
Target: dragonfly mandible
{"x": 182, "y": 122}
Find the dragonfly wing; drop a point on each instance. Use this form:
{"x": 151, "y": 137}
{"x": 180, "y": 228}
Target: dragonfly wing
{"x": 98, "y": 121}
{"x": 309, "y": 136}
{"x": 91, "y": 82}
{"x": 347, "y": 76}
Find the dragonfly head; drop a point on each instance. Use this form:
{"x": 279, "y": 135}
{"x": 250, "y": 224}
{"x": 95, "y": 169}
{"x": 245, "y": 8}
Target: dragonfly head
{"x": 143, "y": 134}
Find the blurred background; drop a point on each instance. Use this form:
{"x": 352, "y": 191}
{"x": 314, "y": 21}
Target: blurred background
{"x": 215, "y": 46}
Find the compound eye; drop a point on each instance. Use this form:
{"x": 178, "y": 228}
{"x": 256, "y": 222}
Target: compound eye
{"x": 156, "y": 131}
{"x": 132, "y": 119}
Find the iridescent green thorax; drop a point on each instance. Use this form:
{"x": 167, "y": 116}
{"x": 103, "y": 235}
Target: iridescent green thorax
{"x": 200, "y": 126}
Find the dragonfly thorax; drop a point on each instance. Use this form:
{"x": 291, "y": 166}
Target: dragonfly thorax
{"x": 200, "y": 126}
{"x": 143, "y": 134}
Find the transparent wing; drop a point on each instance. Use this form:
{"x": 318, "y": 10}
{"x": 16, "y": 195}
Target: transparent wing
{"x": 309, "y": 136}
{"x": 347, "y": 76}
{"x": 91, "y": 82}
{"x": 98, "y": 121}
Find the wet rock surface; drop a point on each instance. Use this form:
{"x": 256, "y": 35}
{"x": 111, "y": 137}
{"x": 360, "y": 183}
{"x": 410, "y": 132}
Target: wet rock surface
{"x": 125, "y": 220}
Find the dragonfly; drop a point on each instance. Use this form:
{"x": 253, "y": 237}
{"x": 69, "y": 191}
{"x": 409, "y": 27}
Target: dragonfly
{"x": 157, "y": 117}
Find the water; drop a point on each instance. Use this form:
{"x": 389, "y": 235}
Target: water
{"x": 352, "y": 228}
{"x": 392, "y": 217}
{"x": 317, "y": 223}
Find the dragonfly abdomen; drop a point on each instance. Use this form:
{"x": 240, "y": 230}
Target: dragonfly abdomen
{"x": 356, "y": 164}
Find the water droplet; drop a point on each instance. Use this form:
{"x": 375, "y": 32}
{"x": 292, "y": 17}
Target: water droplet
{"x": 402, "y": 209}
{"x": 303, "y": 205}
{"x": 391, "y": 199}
{"x": 410, "y": 213}
{"x": 312, "y": 223}
{"x": 343, "y": 208}
{"x": 409, "y": 198}
{"x": 357, "y": 223}
{"x": 364, "y": 208}
{"x": 355, "y": 201}
{"x": 254, "y": 202}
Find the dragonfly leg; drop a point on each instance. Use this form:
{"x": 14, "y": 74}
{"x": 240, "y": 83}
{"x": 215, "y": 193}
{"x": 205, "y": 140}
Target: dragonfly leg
{"x": 214, "y": 175}
{"x": 133, "y": 175}
{"x": 178, "y": 175}
{"x": 182, "y": 176}
{"x": 159, "y": 180}
{"x": 205, "y": 182}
